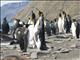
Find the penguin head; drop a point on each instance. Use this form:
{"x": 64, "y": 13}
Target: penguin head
{"x": 74, "y": 20}
{"x": 4, "y": 20}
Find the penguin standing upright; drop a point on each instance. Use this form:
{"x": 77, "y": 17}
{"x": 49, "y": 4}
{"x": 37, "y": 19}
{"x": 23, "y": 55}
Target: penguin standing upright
{"x": 48, "y": 28}
{"x": 5, "y": 26}
{"x": 64, "y": 21}
{"x": 78, "y": 28}
{"x": 73, "y": 28}
{"x": 56, "y": 25}
{"x": 42, "y": 31}
{"x": 36, "y": 35}
{"x": 31, "y": 34}
{"x": 60, "y": 24}
{"x": 68, "y": 23}
{"x": 53, "y": 28}
{"x": 32, "y": 22}
{"x": 22, "y": 37}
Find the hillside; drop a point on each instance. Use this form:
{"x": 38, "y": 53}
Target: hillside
{"x": 9, "y": 10}
{"x": 51, "y": 9}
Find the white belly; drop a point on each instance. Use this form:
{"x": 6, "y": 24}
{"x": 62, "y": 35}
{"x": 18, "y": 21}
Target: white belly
{"x": 73, "y": 30}
{"x": 38, "y": 43}
{"x": 61, "y": 25}
{"x": 31, "y": 31}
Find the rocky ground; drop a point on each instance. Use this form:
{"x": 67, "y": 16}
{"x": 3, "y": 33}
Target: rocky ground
{"x": 61, "y": 47}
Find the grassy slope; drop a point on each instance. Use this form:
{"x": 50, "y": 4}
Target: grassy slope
{"x": 51, "y": 9}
